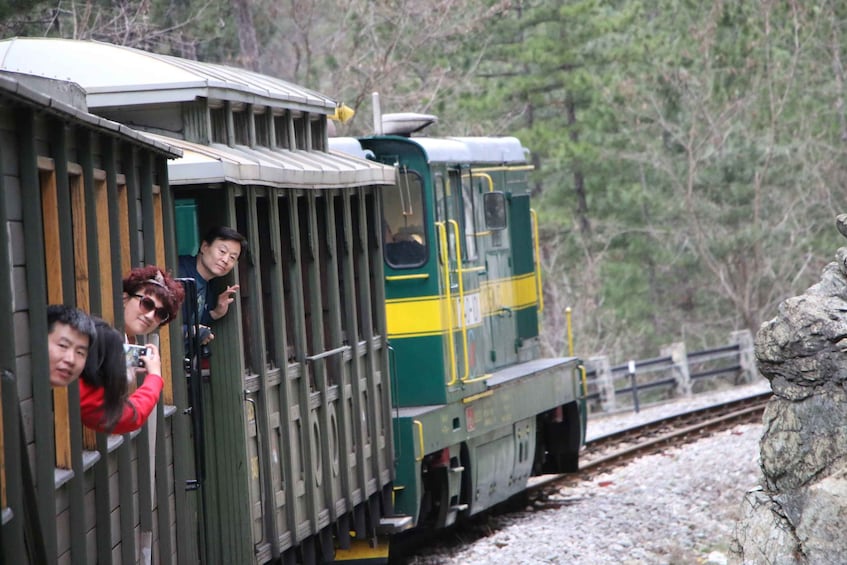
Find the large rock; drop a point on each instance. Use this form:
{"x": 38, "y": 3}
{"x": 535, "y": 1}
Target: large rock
{"x": 798, "y": 516}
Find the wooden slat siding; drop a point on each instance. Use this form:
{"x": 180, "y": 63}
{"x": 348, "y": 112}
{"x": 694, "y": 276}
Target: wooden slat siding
{"x": 60, "y": 405}
{"x": 104, "y": 243}
{"x": 125, "y": 551}
{"x": 36, "y": 285}
{"x": 83, "y": 299}
{"x": 107, "y": 307}
{"x": 163, "y": 467}
{"x": 123, "y": 225}
{"x": 130, "y": 159}
{"x": 11, "y": 545}
{"x": 164, "y": 331}
{"x": 55, "y": 295}
{"x": 183, "y": 508}
{"x": 145, "y": 475}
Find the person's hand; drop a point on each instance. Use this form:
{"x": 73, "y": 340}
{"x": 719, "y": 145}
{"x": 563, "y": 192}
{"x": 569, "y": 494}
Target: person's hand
{"x": 224, "y": 300}
{"x": 152, "y": 361}
{"x": 206, "y": 335}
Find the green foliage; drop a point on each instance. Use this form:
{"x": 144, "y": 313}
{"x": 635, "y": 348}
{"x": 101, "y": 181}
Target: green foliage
{"x": 689, "y": 155}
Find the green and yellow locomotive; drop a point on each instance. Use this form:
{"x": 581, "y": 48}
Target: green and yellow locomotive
{"x": 478, "y": 409}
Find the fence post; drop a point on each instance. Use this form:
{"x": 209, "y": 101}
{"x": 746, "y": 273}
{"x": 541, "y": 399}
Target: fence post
{"x": 633, "y": 385}
{"x": 679, "y": 358}
{"x": 605, "y": 385}
{"x": 746, "y": 357}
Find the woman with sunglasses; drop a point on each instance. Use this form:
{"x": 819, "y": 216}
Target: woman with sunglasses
{"x": 151, "y": 299}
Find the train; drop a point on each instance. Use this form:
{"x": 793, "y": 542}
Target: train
{"x": 379, "y": 372}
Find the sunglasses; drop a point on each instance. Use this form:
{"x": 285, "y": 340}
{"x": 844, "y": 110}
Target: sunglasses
{"x": 147, "y": 305}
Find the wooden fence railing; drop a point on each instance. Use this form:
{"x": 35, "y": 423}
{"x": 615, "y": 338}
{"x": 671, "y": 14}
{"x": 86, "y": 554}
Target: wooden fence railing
{"x": 675, "y": 373}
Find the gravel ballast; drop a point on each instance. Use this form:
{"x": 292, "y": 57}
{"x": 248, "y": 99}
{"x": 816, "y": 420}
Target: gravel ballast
{"x": 677, "y": 506}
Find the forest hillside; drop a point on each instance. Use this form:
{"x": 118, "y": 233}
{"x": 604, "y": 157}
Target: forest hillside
{"x": 690, "y": 156}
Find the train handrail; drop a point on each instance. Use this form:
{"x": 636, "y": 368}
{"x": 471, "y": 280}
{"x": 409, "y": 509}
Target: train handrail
{"x": 460, "y": 274}
{"x": 538, "y": 286}
{"x": 418, "y": 276}
{"x": 419, "y": 425}
{"x": 328, "y": 353}
{"x": 445, "y": 266}
{"x": 254, "y": 404}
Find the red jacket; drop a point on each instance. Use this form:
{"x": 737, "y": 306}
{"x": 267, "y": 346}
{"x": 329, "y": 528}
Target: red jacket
{"x": 143, "y": 400}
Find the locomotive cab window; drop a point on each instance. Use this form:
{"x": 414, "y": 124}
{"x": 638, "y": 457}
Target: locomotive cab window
{"x": 494, "y": 204}
{"x": 403, "y": 222}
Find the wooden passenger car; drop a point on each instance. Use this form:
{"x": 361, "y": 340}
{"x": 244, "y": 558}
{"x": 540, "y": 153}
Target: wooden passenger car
{"x": 292, "y": 424}
{"x": 81, "y": 199}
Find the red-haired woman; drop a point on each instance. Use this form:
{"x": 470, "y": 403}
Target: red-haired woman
{"x": 151, "y": 299}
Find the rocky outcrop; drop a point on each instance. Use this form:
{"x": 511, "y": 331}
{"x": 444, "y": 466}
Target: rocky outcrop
{"x": 799, "y": 514}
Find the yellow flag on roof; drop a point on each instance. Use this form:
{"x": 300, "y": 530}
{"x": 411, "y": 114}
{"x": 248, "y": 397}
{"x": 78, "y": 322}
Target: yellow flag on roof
{"x": 343, "y": 113}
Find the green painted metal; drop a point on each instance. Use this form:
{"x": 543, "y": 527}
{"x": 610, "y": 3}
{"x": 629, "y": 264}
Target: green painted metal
{"x": 520, "y": 230}
{"x": 228, "y": 532}
{"x": 530, "y": 389}
{"x": 11, "y": 533}
{"x": 187, "y": 229}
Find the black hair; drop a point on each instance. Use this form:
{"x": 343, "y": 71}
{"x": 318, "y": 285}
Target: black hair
{"x": 106, "y": 368}
{"x": 225, "y": 233}
{"x": 73, "y": 317}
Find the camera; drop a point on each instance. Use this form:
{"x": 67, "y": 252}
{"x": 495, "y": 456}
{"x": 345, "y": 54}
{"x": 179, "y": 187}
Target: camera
{"x": 133, "y": 354}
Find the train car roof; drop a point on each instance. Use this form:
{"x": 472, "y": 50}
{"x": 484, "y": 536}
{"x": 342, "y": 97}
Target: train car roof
{"x": 349, "y": 145}
{"x": 58, "y": 98}
{"x": 473, "y": 150}
{"x": 204, "y": 164}
{"x": 114, "y": 75}
{"x": 495, "y": 150}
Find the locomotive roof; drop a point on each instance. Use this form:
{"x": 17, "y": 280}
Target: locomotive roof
{"x": 489, "y": 150}
{"x": 203, "y": 164}
{"x": 113, "y": 75}
{"x": 486, "y": 150}
{"x": 65, "y": 104}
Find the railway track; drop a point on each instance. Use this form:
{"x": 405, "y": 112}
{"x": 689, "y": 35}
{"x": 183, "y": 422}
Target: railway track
{"x": 600, "y": 455}
{"x": 608, "y": 451}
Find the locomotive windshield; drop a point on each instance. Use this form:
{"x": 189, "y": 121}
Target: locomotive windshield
{"x": 403, "y": 222}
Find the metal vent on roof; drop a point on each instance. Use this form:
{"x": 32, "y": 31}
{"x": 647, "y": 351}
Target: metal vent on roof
{"x": 406, "y": 123}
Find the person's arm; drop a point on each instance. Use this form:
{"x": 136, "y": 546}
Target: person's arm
{"x": 140, "y": 405}
{"x": 137, "y": 407}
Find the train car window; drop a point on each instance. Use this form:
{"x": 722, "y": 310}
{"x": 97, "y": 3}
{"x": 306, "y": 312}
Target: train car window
{"x": 318, "y": 126}
{"x": 374, "y": 271}
{"x": 454, "y": 208}
{"x": 300, "y": 126}
{"x": 289, "y": 266}
{"x": 241, "y": 124}
{"x": 50, "y": 226}
{"x": 217, "y": 117}
{"x": 494, "y": 204}
{"x": 281, "y": 137}
{"x": 261, "y": 120}
{"x": 403, "y": 222}
{"x": 469, "y": 206}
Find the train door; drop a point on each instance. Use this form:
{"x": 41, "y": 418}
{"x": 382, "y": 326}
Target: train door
{"x": 496, "y": 292}
{"x": 448, "y": 188}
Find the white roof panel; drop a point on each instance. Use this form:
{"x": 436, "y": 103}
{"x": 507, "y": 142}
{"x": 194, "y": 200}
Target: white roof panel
{"x": 496, "y": 150}
{"x": 114, "y": 75}
{"x": 18, "y": 87}
{"x": 204, "y": 164}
